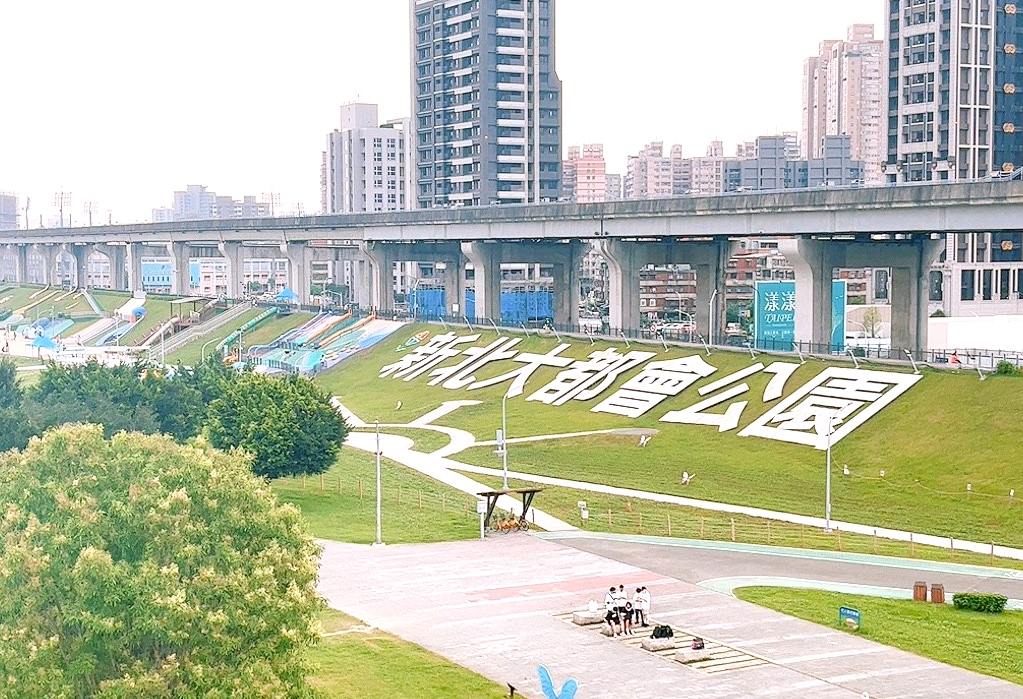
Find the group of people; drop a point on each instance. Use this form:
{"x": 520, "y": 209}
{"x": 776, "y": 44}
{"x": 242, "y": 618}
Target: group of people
{"x": 621, "y": 611}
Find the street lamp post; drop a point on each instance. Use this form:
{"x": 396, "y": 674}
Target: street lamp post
{"x": 827, "y": 482}
{"x": 504, "y": 438}
{"x": 379, "y": 541}
{"x": 710, "y": 316}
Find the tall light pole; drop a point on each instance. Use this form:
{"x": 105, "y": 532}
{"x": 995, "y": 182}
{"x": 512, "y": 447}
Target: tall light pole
{"x": 710, "y": 317}
{"x": 60, "y": 200}
{"x": 379, "y": 541}
{"x": 89, "y": 208}
{"x": 504, "y": 438}
{"x": 827, "y": 482}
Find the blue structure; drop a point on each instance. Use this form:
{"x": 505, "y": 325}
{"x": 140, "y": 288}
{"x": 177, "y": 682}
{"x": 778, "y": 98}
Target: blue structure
{"x": 518, "y": 306}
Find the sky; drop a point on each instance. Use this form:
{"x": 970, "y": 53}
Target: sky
{"x": 121, "y": 102}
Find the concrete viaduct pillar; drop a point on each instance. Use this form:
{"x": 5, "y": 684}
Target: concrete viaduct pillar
{"x": 710, "y": 260}
{"x": 380, "y": 276}
{"x": 567, "y": 283}
{"x": 454, "y": 287}
{"x": 814, "y": 262}
{"x": 48, "y": 255}
{"x": 21, "y": 264}
{"x": 625, "y": 260}
{"x": 234, "y": 254}
{"x": 298, "y": 269}
{"x": 485, "y": 258}
{"x": 81, "y": 254}
{"x": 115, "y": 255}
{"x": 181, "y": 279}
{"x": 133, "y": 263}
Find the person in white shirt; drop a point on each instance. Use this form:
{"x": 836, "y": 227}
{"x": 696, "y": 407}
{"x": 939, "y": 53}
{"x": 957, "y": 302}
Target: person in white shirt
{"x": 645, "y": 604}
{"x": 622, "y": 600}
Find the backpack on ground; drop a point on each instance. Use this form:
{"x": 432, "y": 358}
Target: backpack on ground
{"x": 662, "y": 631}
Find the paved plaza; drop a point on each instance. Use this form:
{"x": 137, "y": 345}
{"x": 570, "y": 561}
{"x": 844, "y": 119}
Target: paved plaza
{"x": 499, "y": 607}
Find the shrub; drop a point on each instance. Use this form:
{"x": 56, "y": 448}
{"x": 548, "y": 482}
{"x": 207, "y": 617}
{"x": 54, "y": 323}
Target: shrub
{"x": 979, "y": 602}
{"x": 1008, "y": 369}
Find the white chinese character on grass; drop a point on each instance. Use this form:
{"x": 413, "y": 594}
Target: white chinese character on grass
{"x": 830, "y": 406}
{"x": 462, "y": 374}
{"x": 788, "y": 301}
{"x": 655, "y": 383}
{"x": 531, "y": 363}
{"x": 729, "y": 420}
{"x": 772, "y": 301}
{"x": 585, "y": 380}
{"x": 425, "y": 357}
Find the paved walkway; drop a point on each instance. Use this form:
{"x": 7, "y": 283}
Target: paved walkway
{"x": 498, "y": 606}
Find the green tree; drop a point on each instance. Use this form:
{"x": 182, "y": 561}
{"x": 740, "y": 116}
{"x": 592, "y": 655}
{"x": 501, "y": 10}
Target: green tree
{"x": 287, "y": 424}
{"x": 14, "y": 429}
{"x": 136, "y": 567}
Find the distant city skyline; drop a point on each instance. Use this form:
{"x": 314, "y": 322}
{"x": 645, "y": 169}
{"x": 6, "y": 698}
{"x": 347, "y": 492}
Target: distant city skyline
{"x": 122, "y": 104}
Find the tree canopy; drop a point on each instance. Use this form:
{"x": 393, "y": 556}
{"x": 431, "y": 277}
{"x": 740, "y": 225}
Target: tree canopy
{"x": 138, "y": 567}
{"x": 287, "y": 424}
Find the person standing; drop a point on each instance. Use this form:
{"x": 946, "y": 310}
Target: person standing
{"x": 611, "y": 611}
{"x": 645, "y": 605}
{"x": 637, "y": 607}
{"x": 626, "y": 614}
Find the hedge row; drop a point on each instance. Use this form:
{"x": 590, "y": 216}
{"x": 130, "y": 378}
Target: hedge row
{"x": 979, "y": 602}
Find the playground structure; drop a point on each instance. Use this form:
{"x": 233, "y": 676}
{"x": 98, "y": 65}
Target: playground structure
{"x": 321, "y": 343}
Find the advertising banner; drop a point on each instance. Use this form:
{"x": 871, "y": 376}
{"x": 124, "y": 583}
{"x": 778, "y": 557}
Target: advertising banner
{"x": 774, "y": 315}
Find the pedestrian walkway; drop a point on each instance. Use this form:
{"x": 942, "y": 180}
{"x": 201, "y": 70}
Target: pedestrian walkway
{"x": 496, "y": 606}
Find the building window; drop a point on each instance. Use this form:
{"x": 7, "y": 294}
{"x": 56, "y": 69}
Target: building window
{"x": 967, "y": 282}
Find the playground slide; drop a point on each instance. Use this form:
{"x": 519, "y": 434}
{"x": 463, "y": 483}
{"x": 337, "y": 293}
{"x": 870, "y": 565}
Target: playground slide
{"x": 339, "y": 330}
{"x": 126, "y": 312}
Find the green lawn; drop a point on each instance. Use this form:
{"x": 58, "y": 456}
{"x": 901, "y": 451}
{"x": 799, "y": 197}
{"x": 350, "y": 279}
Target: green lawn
{"x": 426, "y": 441}
{"x": 48, "y": 302}
{"x": 274, "y": 328}
{"x": 372, "y": 664}
{"x": 947, "y": 431}
{"x": 414, "y": 508}
{"x": 190, "y": 354}
{"x": 991, "y": 644}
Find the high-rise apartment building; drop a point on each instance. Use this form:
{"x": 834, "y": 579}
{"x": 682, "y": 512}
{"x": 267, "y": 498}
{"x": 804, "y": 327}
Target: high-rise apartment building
{"x": 955, "y": 111}
{"x": 367, "y": 166}
{"x": 843, "y": 95}
{"x": 650, "y": 174}
{"x": 8, "y": 211}
{"x": 486, "y": 102}
{"x": 196, "y": 203}
{"x": 584, "y": 174}
{"x": 614, "y": 187}
{"x": 955, "y": 89}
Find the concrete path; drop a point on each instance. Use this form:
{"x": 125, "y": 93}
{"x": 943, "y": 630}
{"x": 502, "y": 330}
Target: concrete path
{"x": 398, "y": 449}
{"x": 498, "y": 606}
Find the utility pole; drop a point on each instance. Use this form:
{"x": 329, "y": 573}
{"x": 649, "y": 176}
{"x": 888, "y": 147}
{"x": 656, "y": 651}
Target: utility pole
{"x": 274, "y": 200}
{"x": 89, "y": 208}
{"x": 60, "y": 200}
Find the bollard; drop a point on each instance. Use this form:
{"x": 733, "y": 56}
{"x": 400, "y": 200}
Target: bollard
{"x": 733, "y": 529}
{"x": 609, "y": 517}
{"x": 360, "y": 489}
{"x": 669, "y": 524}
{"x": 321, "y": 482}
{"x": 701, "y": 527}
{"x": 801, "y": 543}
{"x": 640, "y": 522}
{"x": 768, "y": 532}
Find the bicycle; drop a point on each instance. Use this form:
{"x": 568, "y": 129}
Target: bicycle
{"x": 509, "y": 522}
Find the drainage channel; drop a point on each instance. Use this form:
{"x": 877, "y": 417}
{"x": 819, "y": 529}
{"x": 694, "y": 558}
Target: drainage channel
{"x": 717, "y": 658}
